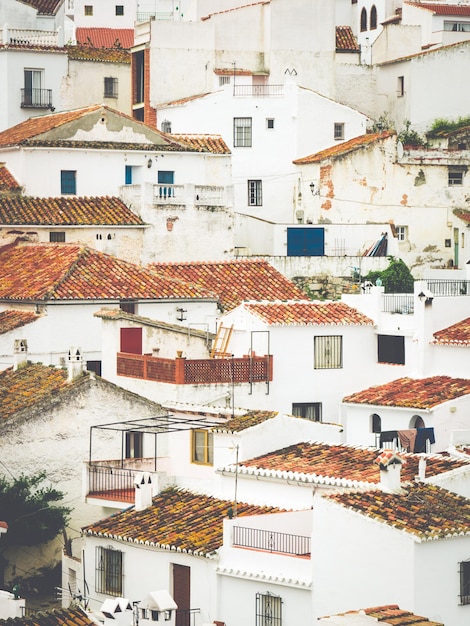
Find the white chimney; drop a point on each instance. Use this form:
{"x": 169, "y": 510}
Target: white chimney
{"x": 390, "y": 470}
{"x": 143, "y": 490}
{"x": 422, "y": 468}
{"x": 117, "y": 612}
{"x": 158, "y": 606}
{"x": 74, "y": 364}
{"x": 20, "y": 353}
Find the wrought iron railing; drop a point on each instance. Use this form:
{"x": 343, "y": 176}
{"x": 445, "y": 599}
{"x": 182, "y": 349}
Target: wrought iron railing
{"x": 398, "y": 303}
{"x": 271, "y": 541}
{"x": 112, "y": 482}
{"x": 258, "y": 90}
{"x": 36, "y": 98}
{"x": 448, "y": 287}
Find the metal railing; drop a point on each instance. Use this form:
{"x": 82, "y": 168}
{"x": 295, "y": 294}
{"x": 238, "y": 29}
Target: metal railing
{"x": 271, "y": 541}
{"x": 258, "y": 90}
{"x": 36, "y": 98}
{"x": 402, "y": 303}
{"x": 446, "y": 287}
{"x": 111, "y": 482}
{"x": 145, "y": 17}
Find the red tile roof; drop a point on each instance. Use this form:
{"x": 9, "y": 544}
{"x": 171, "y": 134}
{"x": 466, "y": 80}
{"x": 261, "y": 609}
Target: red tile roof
{"x": 177, "y": 520}
{"x": 463, "y": 214}
{"x": 44, "y": 7}
{"x": 340, "y": 465}
{"x": 27, "y": 386}
{"x": 391, "y": 615}
{"x": 242, "y": 422}
{"x": 418, "y": 393}
{"x": 307, "y": 314}
{"x": 55, "y": 617}
{"x": 462, "y": 10}
{"x": 234, "y": 281}
{"x": 66, "y": 211}
{"x": 456, "y": 335}
{"x": 105, "y": 37}
{"x": 345, "y": 40}
{"x": 238, "y": 8}
{"x": 109, "y": 55}
{"x": 42, "y": 272}
{"x": 420, "y": 509}
{"x": 345, "y": 147}
{"x": 8, "y": 184}
{"x": 9, "y": 320}
{"x": 204, "y": 143}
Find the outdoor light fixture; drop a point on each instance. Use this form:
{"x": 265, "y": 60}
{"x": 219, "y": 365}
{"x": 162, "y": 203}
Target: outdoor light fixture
{"x": 149, "y": 163}
{"x": 312, "y": 189}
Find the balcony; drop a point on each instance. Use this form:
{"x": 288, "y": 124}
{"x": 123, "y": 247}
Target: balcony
{"x": 182, "y": 371}
{"x": 195, "y": 195}
{"x": 258, "y": 91}
{"x": 36, "y": 99}
{"x": 29, "y": 37}
{"x": 271, "y": 541}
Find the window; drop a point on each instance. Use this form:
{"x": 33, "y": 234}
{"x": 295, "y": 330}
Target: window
{"x": 119, "y": 9}
{"x": 166, "y": 126}
{"x": 376, "y": 423}
{"x": 307, "y": 410}
{"x": 33, "y": 94}
{"x": 460, "y": 27}
{"x": 455, "y": 177}
{"x": 268, "y": 610}
{"x": 165, "y": 180}
{"x": 128, "y": 306}
{"x": 401, "y": 233}
{"x": 139, "y": 81}
{"x": 134, "y": 444}
{"x": 363, "y": 20}
{"x": 339, "y": 130}
{"x": 128, "y": 175}
{"x": 270, "y": 123}
{"x": 465, "y": 582}
{"x": 110, "y": 87}
{"x": 391, "y": 349}
{"x": 255, "y": 195}
{"x": 373, "y": 17}
{"x": 400, "y": 86}
{"x": 328, "y": 352}
{"x": 57, "y": 237}
{"x": 68, "y": 182}
{"x": 202, "y": 447}
{"x": 224, "y": 80}
{"x": 88, "y": 9}
{"x": 109, "y": 571}
{"x": 242, "y": 132}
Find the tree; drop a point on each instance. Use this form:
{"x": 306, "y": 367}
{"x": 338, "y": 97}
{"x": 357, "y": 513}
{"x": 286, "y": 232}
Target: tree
{"x": 396, "y": 278}
{"x": 28, "y": 507}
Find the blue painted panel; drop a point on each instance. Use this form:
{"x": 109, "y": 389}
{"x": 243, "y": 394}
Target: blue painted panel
{"x": 307, "y": 241}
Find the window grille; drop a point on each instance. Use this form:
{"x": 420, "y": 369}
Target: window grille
{"x": 242, "y": 132}
{"x": 465, "y": 582}
{"x": 88, "y": 9}
{"x": 109, "y": 571}
{"x": 339, "y": 130}
{"x": 455, "y": 177}
{"x": 224, "y": 80}
{"x": 268, "y": 610}
{"x": 328, "y": 352}
{"x": 57, "y": 237}
{"x": 255, "y": 195}
{"x": 110, "y": 87}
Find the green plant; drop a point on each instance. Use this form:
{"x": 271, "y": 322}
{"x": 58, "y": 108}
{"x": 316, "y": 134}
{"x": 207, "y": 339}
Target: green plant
{"x": 383, "y": 122}
{"x": 410, "y": 137}
{"x": 443, "y": 124}
{"x": 396, "y": 278}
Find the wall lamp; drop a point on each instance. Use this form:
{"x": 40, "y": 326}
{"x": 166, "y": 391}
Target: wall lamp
{"x": 312, "y": 189}
{"x": 426, "y": 296}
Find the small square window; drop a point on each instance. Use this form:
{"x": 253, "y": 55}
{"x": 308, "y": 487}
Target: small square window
{"x": 307, "y": 410}
{"x": 119, "y": 9}
{"x": 270, "y": 123}
{"x": 88, "y": 9}
{"x": 57, "y": 237}
{"x": 339, "y": 130}
{"x": 401, "y": 233}
{"x": 224, "y": 80}
{"x": 255, "y": 193}
{"x": 328, "y": 352}
{"x": 391, "y": 349}
{"x": 400, "y": 86}
{"x": 110, "y": 87}
{"x": 68, "y": 182}
{"x": 455, "y": 178}
{"x": 202, "y": 447}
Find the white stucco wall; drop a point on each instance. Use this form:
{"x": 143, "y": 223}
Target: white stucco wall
{"x": 104, "y": 14}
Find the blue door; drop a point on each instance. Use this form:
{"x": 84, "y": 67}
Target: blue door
{"x": 305, "y": 241}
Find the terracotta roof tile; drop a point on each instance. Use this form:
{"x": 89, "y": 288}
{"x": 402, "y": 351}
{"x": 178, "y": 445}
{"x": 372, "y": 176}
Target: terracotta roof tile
{"x": 27, "y": 386}
{"x": 184, "y": 100}
{"x": 391, "y": 615}
{"x": 234, "y": 281}
{"x": 340, "y": 464}
{"x": 44, "y": 7}
{"x": 105, "y": 37}
{"x": 418, "y": 393}
{"x": 9, "y": 320}
{"x": 442, "y": 9}
{"x": 307, "y": 313}
{"x": 8, "y": 184}
{"x": 242, "y": 422}
{"x": 237, "y": 8}
{"x": 463, "y": 214}
{"x": 421, "y": 509}
{"x": 66, "y": 211}
{"x": 204, "y": 143}
{"x": 55, "y": 617}
{"x": 343, "y": 148}
{"x": 345, "y": 40}
{"x": 456, "y": 335}
{"x": 41, "y": 272}
{"x": 177, "y": 520}
{"x": 109, "y": 55}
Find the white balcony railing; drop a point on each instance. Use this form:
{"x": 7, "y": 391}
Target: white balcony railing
{"x": 30, "y": 37}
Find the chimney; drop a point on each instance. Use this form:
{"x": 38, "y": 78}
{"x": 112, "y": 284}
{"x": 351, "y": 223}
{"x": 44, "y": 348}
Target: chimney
{"x": 157, "y": 606}
{"x": 74, "y": 364}
{"x": 390, "y": 469}
{"x": 422, "y": 468}
{"x": 143, "y": 490}
{"x": 20, "y": 353}
{"x": 117, "y": 612}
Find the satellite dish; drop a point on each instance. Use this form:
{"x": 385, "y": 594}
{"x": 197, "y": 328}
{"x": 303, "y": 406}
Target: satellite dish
{"x": 399, "y": 149}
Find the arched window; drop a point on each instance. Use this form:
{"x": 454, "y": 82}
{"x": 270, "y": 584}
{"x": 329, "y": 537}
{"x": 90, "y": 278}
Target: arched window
{"x": 375, "y": 423}
{"x": 373, "y": 17}
{"x": 417, "y": 422}
{"x": 363, "y": 20}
